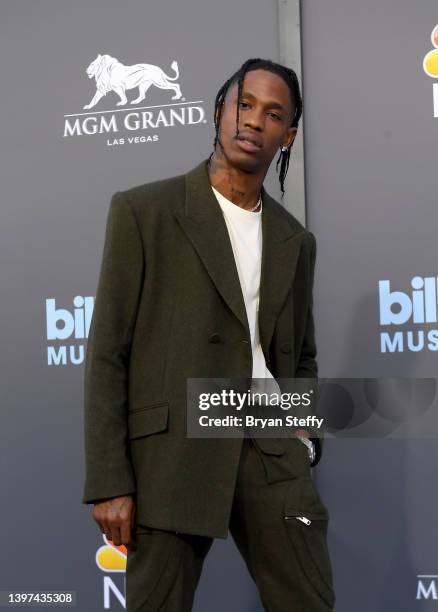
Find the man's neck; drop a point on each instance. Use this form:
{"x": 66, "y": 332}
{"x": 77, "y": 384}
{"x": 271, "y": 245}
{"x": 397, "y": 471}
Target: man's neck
{"x": 241, "y": 188}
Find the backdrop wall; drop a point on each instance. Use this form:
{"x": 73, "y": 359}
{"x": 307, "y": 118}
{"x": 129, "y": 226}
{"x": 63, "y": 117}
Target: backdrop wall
{"x": 370, "y": 140}
{"x": 370, "y": 130}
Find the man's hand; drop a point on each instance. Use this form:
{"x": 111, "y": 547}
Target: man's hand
{"x": 304, "y": 437}
{"x": 302, "y": 433}
{"x": 115, "y": 518}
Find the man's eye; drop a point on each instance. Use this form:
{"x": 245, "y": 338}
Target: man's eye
{"x": 246, "y": 103}
{"x": 275, "y": 116}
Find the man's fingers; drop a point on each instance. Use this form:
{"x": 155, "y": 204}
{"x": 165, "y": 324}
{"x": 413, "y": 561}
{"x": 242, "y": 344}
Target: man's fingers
{"x": 115, "y": 518}
{"x": 115, "y": 536}
{"x": 127, "y": 535}
{"x": 106, "y": 529}
{"x": 133, "y": 544}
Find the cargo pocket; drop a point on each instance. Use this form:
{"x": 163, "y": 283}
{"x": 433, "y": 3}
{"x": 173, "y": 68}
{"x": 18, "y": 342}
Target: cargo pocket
{"x": 273, "y": 457}
{"x": 148, "y": 420}
{"x": 306, "y": 521}
{"x": 282, "y": 458}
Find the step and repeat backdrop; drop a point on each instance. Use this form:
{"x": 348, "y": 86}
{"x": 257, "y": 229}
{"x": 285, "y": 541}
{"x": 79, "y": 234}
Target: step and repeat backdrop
{"x": 72, "y": 135}
{"x": 370, "y": 72}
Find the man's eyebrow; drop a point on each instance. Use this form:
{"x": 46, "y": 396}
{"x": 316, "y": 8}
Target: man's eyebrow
{"x": 269, "y": 103}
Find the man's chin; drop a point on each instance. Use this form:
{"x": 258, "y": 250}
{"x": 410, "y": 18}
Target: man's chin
{"x": 244, "y": 162}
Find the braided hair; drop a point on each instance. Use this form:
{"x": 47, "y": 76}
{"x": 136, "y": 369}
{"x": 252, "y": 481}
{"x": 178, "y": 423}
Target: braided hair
{"x": 290, "y": 78}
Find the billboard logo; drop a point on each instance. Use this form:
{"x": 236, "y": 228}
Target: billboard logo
{"x": 418, "y": 308}
{"x": 63, "y": 324}
{"x": 430, "y": 67}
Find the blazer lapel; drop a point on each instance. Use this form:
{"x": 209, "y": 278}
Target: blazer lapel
{"x": 280, "y": 251}
{"x": 202, "y": 221}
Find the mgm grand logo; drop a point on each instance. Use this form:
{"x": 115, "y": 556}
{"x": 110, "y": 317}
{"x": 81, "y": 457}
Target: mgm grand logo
{"x": 114, "y": 80}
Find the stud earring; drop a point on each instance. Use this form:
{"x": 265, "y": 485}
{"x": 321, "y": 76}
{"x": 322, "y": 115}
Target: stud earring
{"x": 284, "y": 149}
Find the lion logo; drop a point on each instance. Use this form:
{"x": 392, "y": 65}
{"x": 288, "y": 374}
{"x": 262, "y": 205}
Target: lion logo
{"x": 112, "y": 75}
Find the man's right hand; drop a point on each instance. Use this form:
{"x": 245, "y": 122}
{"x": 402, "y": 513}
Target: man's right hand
{"x": 115, "y": 518}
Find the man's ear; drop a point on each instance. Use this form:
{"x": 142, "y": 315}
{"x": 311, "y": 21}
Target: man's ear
{"x": 290, "y": 136}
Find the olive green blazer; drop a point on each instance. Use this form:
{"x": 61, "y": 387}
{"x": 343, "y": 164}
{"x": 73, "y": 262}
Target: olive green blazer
{"x": 168, "y": 307}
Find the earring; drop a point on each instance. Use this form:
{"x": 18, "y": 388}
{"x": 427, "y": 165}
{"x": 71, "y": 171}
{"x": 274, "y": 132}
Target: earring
{"x": 284, "y": 149}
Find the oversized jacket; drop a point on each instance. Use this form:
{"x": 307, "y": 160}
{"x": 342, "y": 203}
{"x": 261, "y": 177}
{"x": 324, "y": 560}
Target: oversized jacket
{"x": 169, "y": 307}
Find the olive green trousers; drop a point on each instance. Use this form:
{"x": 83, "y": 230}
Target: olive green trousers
{"x": 280, "y": 529}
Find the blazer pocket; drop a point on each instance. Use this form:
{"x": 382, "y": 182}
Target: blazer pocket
{"x": 148, "y": 420}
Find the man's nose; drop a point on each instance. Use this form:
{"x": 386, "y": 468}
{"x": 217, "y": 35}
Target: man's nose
{"x": 254, "y": 119}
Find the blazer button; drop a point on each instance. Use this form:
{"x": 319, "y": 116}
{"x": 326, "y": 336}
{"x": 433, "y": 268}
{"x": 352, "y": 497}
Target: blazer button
{"x": 215, "y": 338}
{"x": 286, "y": 347}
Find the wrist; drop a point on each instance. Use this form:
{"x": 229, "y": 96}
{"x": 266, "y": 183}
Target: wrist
{"x": 310, "y": 447}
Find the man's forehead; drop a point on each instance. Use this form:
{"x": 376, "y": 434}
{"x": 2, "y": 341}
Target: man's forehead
{"x": 249, "y": 87}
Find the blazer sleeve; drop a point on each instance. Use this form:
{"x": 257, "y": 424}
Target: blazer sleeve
{"x": 108, "y": 468}
{"x": 307, "y": 366}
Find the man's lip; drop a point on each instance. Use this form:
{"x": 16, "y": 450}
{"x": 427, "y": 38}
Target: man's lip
{"x": 247, "y": 146}
{"x": 250, "y": 139}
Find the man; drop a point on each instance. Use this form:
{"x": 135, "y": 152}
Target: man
{"x": 204, "y": 275}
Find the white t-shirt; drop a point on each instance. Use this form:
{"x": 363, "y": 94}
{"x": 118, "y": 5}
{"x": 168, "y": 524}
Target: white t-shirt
{"x": 245, "y": 231}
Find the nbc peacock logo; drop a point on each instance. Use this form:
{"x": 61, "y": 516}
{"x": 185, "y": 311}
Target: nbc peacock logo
{"x": 430, "y": 67}
{"x": 111, "y": 558}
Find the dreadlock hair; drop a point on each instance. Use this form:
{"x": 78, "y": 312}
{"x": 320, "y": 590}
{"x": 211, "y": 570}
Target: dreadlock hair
{"x": 291, "y": 79}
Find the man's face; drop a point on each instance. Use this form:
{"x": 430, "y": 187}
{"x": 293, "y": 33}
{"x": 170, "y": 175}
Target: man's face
{"x": 265, "y": 116}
